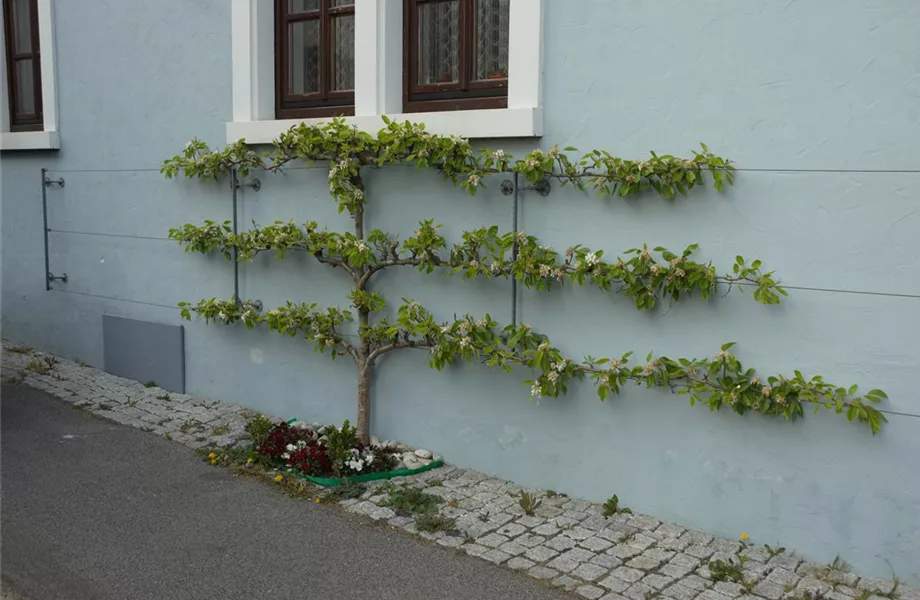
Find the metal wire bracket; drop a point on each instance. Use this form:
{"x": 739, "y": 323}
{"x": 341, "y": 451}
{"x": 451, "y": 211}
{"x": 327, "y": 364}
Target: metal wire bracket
{"x": 255, "y": 183}
{"x": 542, "y": 187}
{"x": 49, "y": 182}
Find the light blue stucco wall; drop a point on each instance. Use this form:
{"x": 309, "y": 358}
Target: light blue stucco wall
{"x": 813, "y": 84}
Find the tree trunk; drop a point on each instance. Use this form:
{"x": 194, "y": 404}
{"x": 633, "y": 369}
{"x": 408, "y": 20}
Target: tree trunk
{"x": 364, "y": 401}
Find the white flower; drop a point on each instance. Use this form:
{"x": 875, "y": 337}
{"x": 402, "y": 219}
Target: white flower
{"x": 498, "y": 154}
{"x": 591, "y": 259}
{"x": 766, "y": 391}
{"x": 532, "y": 163}
{"x": 544, "y": 346}
{"x": 465, "y": 342}
{"x": 496, "y": 267}
{"x": 445, "y": 329}
{"x": 473, "y": 179}
{"x": 561, "y": 365}
{"x": 222, "y": 316}
{"x": 481, "y": 323}
{"x": 656, "y": 269}
{"x": 362, "y": 246}
{"x": 722, "y": 355}
{"x": 535, "y": 391}
{"x": 553, "y": 376}
{"x": 545, "y": 270}
{"x": 359, "y": 195}
{"x": 554, "y": 151}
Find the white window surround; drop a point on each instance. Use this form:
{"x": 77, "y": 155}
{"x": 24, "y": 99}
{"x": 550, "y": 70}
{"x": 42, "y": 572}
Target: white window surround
{"x": 379, "y": 75}
{"x": 48, "y": 138}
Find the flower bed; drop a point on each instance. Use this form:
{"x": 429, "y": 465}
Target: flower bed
{"x": 329, "y": 455}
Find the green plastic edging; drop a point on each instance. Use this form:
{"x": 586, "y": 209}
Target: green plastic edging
{"x": 337, "y": 481}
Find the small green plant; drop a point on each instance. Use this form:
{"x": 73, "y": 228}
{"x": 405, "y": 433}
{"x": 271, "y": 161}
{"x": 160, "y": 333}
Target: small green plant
{"x": 771, "y": 551}
{"x": 191, "y": 426}
{"x": 612, "y": 507}
{"x": 167, "y": 436}
{"x": 432, "y": 522}
{"x": 164, "y": 397}
{"x": 43, "y": 365}
{"x": 132, "y": 402}
{"x": 103, "y": 406}
{"x": 551, "y": 493}
{"x": 435, "y": 483}
{"x": 150, "y": 384}
{"x": 346, "y": 491}
{"x": 220, "y": 429}
{"x": 340, "y": 441}
{"x": 838, "y": 564}
{"x": 453, "y": 503}
{"x": 411, "y": 501}
{"x": 730, "y": 570}
{"x": 626, "y": 538}
{"x": 529, "y": 503}
{"x": 789, "y": 587}
{"x": 20, "y": 350}
{"x": 257, "y": 428}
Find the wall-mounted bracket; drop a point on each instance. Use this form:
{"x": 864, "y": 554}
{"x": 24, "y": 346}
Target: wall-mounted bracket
{"x": 542, "y": 187}
{"x": 255, "y": 183}
{"x": 49, "y": 182}
{"x": 52, "y": 278}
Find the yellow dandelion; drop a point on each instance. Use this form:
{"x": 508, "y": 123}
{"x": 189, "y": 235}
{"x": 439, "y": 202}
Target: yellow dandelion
{"x": 318, "y": 499}
{"x": 278, "y": 478}
{"x": 212, "y": 455}
{"x": 744, "y": 537}
{"x": 213, "y": 461}
{"x": 249, "y": 461}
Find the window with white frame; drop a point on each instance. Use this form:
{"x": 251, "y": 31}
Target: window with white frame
{"x": 28, "y": 116}
{"x": 466, "y": 67}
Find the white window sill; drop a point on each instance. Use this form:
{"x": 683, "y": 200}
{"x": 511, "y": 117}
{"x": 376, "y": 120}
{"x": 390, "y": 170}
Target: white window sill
{"x": 30, "y": 140}
{"x": 489, "y": 123}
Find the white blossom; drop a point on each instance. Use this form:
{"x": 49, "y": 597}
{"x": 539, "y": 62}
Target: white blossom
{"x": 473, "y": 179}
{"x": 465, "y": 342}
{"x": 591, "y": 259}
{"x": 445, "y": 329}
{"x": 553, "y": 376}
{"x": 545, "y": 270}
{"x": 535, "y": 390}
{"x": 498, "y": 154}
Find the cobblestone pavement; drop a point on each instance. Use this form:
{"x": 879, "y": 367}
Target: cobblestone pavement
{"x": 566, "y": 542}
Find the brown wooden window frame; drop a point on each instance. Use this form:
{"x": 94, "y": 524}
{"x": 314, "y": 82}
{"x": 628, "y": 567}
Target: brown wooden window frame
{"x": 33, "y": 121}
{"x": 465, "y": 94}
{"x": 327, "y": 102}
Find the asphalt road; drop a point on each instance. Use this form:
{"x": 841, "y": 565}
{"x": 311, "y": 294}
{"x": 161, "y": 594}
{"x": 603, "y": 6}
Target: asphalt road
{"x": 96, "y": 510}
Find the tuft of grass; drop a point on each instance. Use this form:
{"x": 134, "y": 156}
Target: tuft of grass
{"x": 164, "y": 397}
{"x": 612, "y": 507}
{"x": 529, "y": 503}
{"x": 150, "y": 384}
{"x": 411, "y": 500}
{"x": 433, "y": 522}
{"x": 166, "y": 436}
{"x": 346, "y": 491}
{"x": 435, "y": 483}
{"x": 132, "y": 402}
{"x": 43, "y": 365}
{"x": 730, "y": 570}
{"x": 773, "y": 551}
{"x": 453, "y": 503}
{"x": 626, "y": 538}
{"x": 551, "y": 493}
{"x": 838, "y": 564}
{"x": 191, "y": 426}
{"x": 20, "y": 350}
{"x": 220, "y": 429}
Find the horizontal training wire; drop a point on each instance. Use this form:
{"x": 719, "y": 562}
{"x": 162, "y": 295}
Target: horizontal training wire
{"x": 114, "y": 298}
{"x": 115, "y": 235}
{"x": 835, "y": 291}
{"x": 743, "y": 169}
{"x": 900, "y": 414}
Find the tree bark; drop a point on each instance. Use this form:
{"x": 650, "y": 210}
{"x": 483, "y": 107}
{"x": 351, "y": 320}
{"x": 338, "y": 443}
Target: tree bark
{"x": 364, "y": 401}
